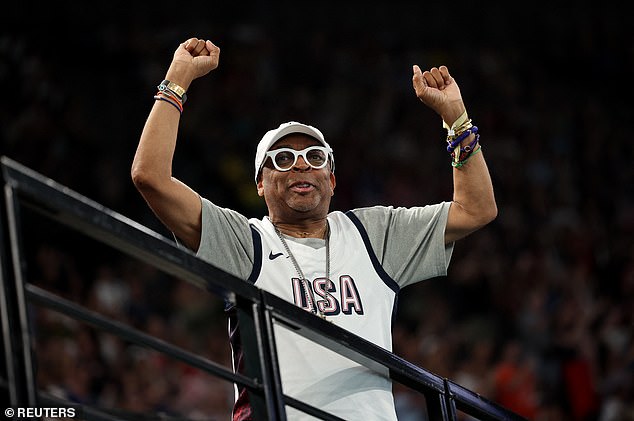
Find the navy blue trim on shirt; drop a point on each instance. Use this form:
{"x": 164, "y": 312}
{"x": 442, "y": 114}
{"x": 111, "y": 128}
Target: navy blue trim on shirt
{"x": 257, "y": 255}
{"x": 257, "y": 262}
{"x": 391, "y": 283}
{"x": 387, "y": 279}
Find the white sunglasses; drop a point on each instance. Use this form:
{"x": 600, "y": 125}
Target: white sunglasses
{"x": 285, "y": 158}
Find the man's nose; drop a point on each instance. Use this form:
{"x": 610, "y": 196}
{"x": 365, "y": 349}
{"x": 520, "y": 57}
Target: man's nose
{"x": 301, "y": 164}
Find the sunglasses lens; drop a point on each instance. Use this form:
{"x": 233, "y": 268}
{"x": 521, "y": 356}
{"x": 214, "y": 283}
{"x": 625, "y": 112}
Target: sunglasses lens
{"x": 284, "y": 159}
{"x": 316, "y": 157}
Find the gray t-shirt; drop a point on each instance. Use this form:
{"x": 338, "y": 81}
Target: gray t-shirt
{"x": 408, "y": 242}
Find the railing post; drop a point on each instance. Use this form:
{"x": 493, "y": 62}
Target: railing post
{"x": 257, "y": 360}
{"x": 18, "y": 364}
{"x": 436, "y": 407}
{"x": 269, "y": 360}
{"x": 8, "y": 391}
{"x": 449, "y": 401}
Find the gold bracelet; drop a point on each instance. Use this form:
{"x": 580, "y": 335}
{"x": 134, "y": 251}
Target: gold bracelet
{"x": 178, "y": 90}
{"x": 463, "y": 120}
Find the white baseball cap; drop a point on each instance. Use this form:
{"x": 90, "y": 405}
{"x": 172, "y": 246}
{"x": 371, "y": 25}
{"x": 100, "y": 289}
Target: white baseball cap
{"x": 285, "y": 129}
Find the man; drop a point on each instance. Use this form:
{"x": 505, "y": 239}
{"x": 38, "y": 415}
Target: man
{"x": 344, "y": 267}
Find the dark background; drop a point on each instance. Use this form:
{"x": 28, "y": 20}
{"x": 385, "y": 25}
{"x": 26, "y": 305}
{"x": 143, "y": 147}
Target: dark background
{"x": 536, "y": 312}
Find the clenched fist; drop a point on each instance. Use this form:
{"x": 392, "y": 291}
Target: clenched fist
{"x": 439, "y": 91}
{"x": 192, "y": 59}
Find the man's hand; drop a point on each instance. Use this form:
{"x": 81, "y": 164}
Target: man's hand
{"x": 439, "y": 91}
{"x": 192, "y": 59}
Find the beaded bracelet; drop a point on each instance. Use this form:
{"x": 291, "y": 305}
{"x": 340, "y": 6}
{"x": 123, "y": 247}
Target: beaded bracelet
{"x": 453, "y": 143}
{"x": 461, "y": 129}
{"x": 466, "y": 150}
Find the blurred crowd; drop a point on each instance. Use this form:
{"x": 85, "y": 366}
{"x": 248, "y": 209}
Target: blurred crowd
{"x": 537, "y": 310}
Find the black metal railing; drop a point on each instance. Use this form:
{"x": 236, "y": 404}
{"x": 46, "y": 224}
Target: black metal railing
{"x": 257, "y": 312}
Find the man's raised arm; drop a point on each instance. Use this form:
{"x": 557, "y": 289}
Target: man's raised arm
{"x": 174, "y": 203}
{"x": 473, "y": 204}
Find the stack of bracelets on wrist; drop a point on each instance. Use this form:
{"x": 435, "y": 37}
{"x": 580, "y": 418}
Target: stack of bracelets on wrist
{"x": 172, "y": 93}
{"x": 455, "y": 135}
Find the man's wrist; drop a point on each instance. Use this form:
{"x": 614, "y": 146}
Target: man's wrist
{"x": 180, "y": 74}
{"x": 457, "y": 125}
{"x": 453, "y": 113}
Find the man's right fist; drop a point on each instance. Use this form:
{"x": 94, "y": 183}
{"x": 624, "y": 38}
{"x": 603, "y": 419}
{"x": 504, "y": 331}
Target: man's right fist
{"x": 192, "y": 59}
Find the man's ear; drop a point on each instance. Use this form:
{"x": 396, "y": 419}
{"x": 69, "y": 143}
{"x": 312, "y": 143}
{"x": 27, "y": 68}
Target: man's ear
{"x": 333, "y": 183}
{"x": 260, "y": 186}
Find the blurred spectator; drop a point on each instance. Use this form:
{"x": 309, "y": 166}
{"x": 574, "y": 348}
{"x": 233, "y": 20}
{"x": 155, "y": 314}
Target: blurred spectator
{"x": 515, "y": 381}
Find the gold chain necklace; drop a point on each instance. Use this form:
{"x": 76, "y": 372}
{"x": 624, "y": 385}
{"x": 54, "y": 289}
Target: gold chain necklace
{"x": 308, "y": 292}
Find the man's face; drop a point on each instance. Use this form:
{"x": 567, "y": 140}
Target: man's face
{"x": 301, "y": 192}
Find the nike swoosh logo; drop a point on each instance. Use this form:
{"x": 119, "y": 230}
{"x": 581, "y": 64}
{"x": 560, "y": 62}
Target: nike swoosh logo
{"x": 274, "y": 256}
